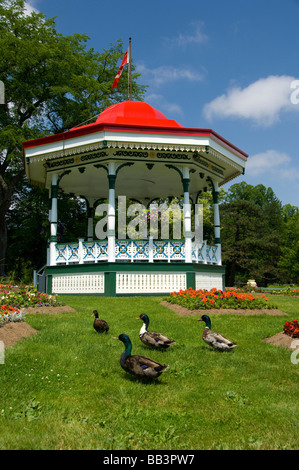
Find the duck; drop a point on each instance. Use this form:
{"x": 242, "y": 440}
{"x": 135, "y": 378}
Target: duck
{"x": 139, "y": 366}
{"x": 101, "y": 326}
{"x": 213, "y": 339}
{"x": 152, "y": 338}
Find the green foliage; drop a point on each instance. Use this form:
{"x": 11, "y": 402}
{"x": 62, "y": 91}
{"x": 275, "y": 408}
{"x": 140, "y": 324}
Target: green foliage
{"x": 253, "y": 234}
{"x": 52, "y": 83}
{"x": 289, "y": 261}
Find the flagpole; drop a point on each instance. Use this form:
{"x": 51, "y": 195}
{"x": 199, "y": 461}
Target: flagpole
{"x": 130, "y": 71}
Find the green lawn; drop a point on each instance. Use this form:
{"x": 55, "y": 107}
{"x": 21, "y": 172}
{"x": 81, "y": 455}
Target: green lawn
{"x": 64, "y": 388}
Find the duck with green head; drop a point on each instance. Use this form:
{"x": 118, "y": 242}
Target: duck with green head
{"x": 213, "y": 339}
{"x": 139, "y": 366}
{"x": 152, "y": 338}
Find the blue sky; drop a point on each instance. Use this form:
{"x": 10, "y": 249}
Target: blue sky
{"x": 229, "y": 66}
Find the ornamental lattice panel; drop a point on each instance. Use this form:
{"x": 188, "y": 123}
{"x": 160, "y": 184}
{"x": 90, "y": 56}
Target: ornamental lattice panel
{"x": 78, "y": 283}
{"x": 129, "y": 283}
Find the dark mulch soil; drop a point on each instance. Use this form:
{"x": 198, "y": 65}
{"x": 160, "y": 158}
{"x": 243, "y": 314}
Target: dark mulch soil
{"x": 183, "y": 311}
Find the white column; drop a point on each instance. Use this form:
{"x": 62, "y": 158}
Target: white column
{"x": 53, "y": 219}
{"x": 187, "y": 216}
{"x": 111, "y": 212}
{"x": 217, "y": 220}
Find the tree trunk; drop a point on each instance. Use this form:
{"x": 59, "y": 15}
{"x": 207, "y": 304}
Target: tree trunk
{"x": 6, "y": 193}
{"x": 231, "y": 273}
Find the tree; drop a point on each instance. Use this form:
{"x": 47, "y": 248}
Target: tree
{"x": 52, "y": 83}
{"x": 289, "y": 261}
{"x": 252, "y": 228}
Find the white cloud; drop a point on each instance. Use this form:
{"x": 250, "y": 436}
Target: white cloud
{"x": 167, "y": 74}
{"x": 273, "y": 164}
{"x": 196, "y": 37}
{"x": 30, "y": 7}
{"x": 270, "y": 161}
{"x": 159, "y": 102}
{"x": 262, "y": 101}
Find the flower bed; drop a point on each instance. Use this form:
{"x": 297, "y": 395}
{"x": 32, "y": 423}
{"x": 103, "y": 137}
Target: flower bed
{"x": 10, "y": 314}
{"x": 217, "y": 299}
{"x": 291, "y": 328}
{"x": 26, "y": 296}
{"x": 288, "y": 291}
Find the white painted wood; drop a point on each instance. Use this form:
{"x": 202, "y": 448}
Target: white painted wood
{"x": 147, "y": 283}
{"x": 78, "y": 283}
{"x": 208, "y": 281}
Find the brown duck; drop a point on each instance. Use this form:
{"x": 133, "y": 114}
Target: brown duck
{"x": 101, "y": 326}
{"x": 139, "y": 366}
{"x": 213, "y": 339}
{"x": 152, "y": 338}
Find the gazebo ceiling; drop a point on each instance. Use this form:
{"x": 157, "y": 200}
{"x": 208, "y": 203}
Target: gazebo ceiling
{"x": 149, "y": 151}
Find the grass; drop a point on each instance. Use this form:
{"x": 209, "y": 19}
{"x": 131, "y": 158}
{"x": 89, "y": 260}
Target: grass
{"x": 64, "y": 388}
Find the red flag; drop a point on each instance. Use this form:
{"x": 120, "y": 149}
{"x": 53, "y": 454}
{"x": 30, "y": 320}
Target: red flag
{"x": 124, "y": 62}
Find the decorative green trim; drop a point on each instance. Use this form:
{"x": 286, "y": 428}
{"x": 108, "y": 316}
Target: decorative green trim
{"x": 157, "y": 266}
{"x": 98, "y": 165}
{"x": 110, "y": 284}
{"x": 123, "y": 165}
{"x": 215, "y": 196}
{"x": 54, "y": 191}
{"x": 49, "y": 284}
{"x": 172, "y": 167}
{"x": 190, "y": 280}
{"x": 90, "y": 212}
{"x": 66, "y": 172}
{"x": 111, "y": 179}
{"x": 186, "y": 182}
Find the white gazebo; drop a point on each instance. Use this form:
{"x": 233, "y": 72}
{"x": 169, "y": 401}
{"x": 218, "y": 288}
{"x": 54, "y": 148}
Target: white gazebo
{"x": 132, "y": 151}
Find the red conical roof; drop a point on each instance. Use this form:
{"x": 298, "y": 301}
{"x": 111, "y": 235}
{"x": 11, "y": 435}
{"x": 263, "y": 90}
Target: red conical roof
{"x": 135, "y": 113}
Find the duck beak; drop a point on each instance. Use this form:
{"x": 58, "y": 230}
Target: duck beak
{"x": 200, "y": 319}
{"x": 114, "y": 337}
{"x": 138, "y": 318}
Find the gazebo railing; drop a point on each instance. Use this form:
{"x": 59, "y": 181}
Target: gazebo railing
{"x": 149, "y": 250}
